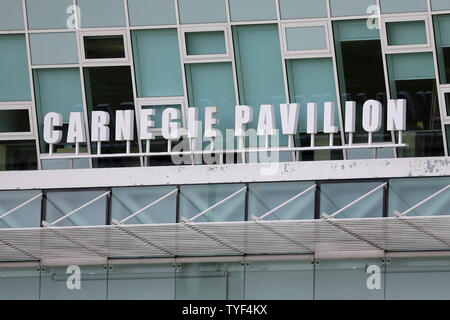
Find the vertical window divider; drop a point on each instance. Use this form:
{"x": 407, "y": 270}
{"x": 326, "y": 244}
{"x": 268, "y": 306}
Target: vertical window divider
{"x": 386, "y": 199}
{"x": 109, "y": 207}
{"x": 43, "y": 207}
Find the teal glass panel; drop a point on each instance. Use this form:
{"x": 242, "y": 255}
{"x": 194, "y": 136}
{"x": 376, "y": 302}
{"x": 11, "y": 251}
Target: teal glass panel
{"x": 202, "y": 11}
{"x": 53, "y": 48}
{"x": 58, "y": 164}
{"x": 159, "y": 111}
{"x": 263, "y": 197}
{"x": 49, "y": 14}
{"x": 409, "y": 66}
{"x": 297, "y": 9}
{"x": 102, "y": 13}
{"x": 279, "y": 280}
{"x": 398, "y": 6}
{"x": 381, "y": 153}
{"x": 249, "y": 10}
{"x": 60, "y": 203}
{"x": 354, "y": 30}
{"x": 195, "y": 199}
{"x": 418, "y": 279}
{"x": 212, "y": 42}
{"x": 27, "y": 216}
{"x": 406, "y": 33}
{"x": 141, "y": 282}
{"x": 442, "y": 36}
{"x": 93, "y": 283}
{"x": 348, "y": 279}
{"x": 211, "y": 84}
{"x": 14, "y": 79}
{"x": 306, "y": 38}
{"x": 11, "y": 15}
{"x": 157, "y": 63}
{"x": 442, "y": 25}
{"x": 259, "y": 68}
{"x": 18, "y": 155}
{"x": 405, "y": 193}
{"x": 151, "y": 12}
{"x": 304, "y": 88}
{"x": 350, "y": 7}
{"x": 210, "y": 281}
{"x": 126, "y": 201}
{"x": 334, "y": 196}
{"x": 19, "y": 283}
{"x": 440, "y": 5}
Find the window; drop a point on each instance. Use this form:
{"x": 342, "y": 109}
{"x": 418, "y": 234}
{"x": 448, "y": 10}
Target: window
{"x": 442, "y": 36}
{"x": 26, "y": 216}
{"x": 11, "y": 15}
{"x": 103, "y": 47}
{"x": 247, "y": 10}
{"x": 398, "y": 6}
{"x": 350, "y": 7}
{"x": 407, "y": 33}
{"x": 293, "y": 9}
{"x": 202, "y": 11}
{"x": 102, "y": 13}
{"x": 18, "y": 155}
{"x": 53, "y": 48}
{"x": 21, "y": 283}
{"x": 47, "y": 14}
{"x": 155, "y": 12}
{"x": 15, "y": 121}
{"x": 199, "y": 43}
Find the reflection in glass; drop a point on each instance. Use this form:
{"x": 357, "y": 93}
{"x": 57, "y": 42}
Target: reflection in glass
{"x": 104, "y": 47}
{"x": 19, "y": 283}
{"x": 18, "y": 155}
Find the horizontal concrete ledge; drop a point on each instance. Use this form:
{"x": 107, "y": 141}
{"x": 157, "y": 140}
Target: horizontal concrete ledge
{"x": 227, "y": 173}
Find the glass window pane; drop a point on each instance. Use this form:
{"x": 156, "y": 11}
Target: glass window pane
{"x": 263, "y": 197}
{"x": 110, "y": 89}
{"x": 306, "y": 38}
{"x": 195, "y": 199}
{"x": 149, "y": 13}
{"x": 418, "y": 279}
{"x": 126, "y": 201}
{"x": 202, "y": 11}
{"x": 211, "y": 84}
{"x": 18, "y": 155}
{"x": 61, "y": 203}
{"x": 53, "y": 48}
{"x": 14, "y": 121}
{"x": 102, "y": 13}
{"x": 247, "y": 10}
{"x": 279, "y": 280}
{"x": 350, "y": 7}
{"x": 48, "y": 14}
{"x": 397, "y": 6}
{"x": 159, "y": 109}
{"x": 334, "y": 196}
{"x": 157, "y": 63}
{"x": 400, "y": 66}
{"x": 93, "y": 283}
{"x": 205, "y": 43}
{"x": 442, "y": 36}
{"x": 102, "y": 47}
{"x": 19, "y": 283}
{"x": 440, "y": 5}
{"x": 406, "y": 33}
{"x": 141, "y": 282}
{"x": 14, "y": 79}
{"x": 25, "y": 217}
{"x": 347, "y": 280}
{"x": 58, "y": 90}
{"x": 405, "y": 193}
{"x": 58, "y": 164}
{"x": 210, "y": 281}
{"x": 293, "y": 9}
{"x": 11, "y": 15}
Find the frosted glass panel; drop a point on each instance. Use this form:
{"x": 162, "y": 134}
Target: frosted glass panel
{"x": 14, "y": 79}
{"x": 53, "y": 48}
{"x": 205, "y": 43}
{"x": 102, "y": 13}
{"x": 141, "y": 282}
{"x": 306, "y": 38}
{"x": 11, "y": 15}
{"x": 202, "y": 11}
{"x": 59, "y": 164}
{"x": 347, "y": 280}
{"x": 334, "y": 196}
{"x": 151, "y": 12}
{"x": 263, "y": 197}
{"x": 27, "y": 216}
{"x": 157, "y": 63}
{"x": 440, "y": 5}
{"x": 406, "y": 33}
{"x": 126, "y": 201}
{"x": 246, "y": 10}
{"x": 61, "y": 203}
{"x": 401, "y": 66}
{"x": 285, "y": 280}
{"x": 292, "y": 9}
{"x": 405, "y": 193}
{"x": 19, "y": 283}
{"x": 354, "y": 30}
{"x": 397, "y": 6}
{"x": 48, "y": 14}
{"x": 195, "y": 199}
{"x": 350, "y": 7}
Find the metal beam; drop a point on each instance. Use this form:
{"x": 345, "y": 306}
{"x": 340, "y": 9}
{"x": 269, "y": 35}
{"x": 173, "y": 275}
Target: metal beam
{"x": 421, "y": 202}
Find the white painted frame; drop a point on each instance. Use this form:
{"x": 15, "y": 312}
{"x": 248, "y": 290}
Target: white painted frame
{"x": 443, "y": 91}
{"x": 22, "y": 135}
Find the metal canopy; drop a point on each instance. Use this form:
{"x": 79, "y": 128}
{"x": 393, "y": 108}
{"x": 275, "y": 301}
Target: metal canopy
{"x": 259, "y": 237}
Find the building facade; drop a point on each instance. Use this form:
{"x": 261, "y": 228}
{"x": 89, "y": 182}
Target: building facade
{"x": 108, "y": 191}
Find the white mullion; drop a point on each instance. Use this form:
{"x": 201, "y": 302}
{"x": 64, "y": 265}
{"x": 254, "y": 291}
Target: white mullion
{"x": 246, "y": 23}
{"x": 129, "y": 51}
{"x": 34, "y": 117}
{"x": 165, "y": 26}
{"x": 3, "y": 32}
{"x": 330, "y": 41}
{"x": 83, "y": 89}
